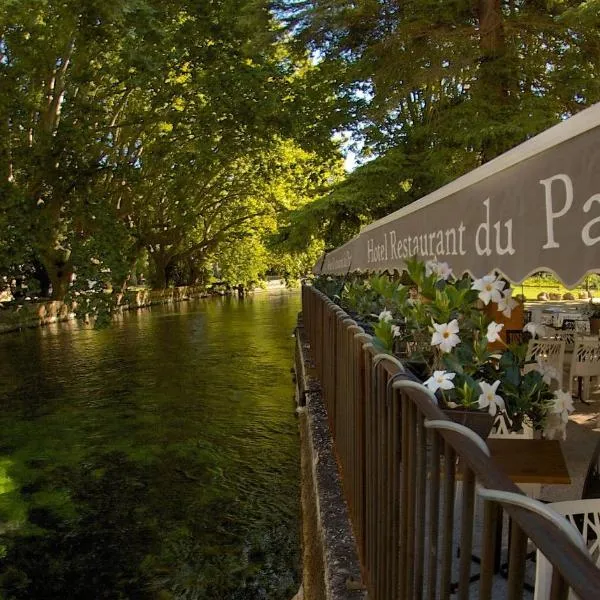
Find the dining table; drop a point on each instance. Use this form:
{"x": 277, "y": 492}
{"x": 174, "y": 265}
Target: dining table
{"x": 530, "y": 460}
{"x": 527, "y": 461}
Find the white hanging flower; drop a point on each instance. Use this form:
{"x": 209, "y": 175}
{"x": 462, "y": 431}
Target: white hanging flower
{"x": 445, "y": 335}
{"x": 507, "y": 303}
{"x": 441, "y": 269}
{"x": 367, "y": 285}
{"x": 430, "y": 267}
{"x": 490, "y": 288}
{"x": 385, "y": 315}
{"x": 444, "y": 271}
{"x": 563, "y": 405}
{"x": 493, "y": 331}
{"x": 489, "y": 399}
{"x": 547, "y": 371}
{"x": 538, "y": 330}
{"x": 440, "y": 380}
{"x": 395, "y": 331}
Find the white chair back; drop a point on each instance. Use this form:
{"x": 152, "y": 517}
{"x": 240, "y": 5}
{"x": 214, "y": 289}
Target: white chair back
{"x": 585, "y": 516}
{"x": 585, "y": 362}
{"x": 568, "y": 335}
{"x": 502, "y": 429}
{"x": 548, "y": 351}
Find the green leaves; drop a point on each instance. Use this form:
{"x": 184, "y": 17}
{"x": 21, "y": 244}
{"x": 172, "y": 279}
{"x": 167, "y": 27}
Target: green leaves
{"x": 120, "y": 136}
{"x": 384, "y": 335}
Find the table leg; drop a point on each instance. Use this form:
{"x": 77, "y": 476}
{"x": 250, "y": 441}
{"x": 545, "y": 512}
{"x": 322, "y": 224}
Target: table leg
{"x": 580, "y": 390}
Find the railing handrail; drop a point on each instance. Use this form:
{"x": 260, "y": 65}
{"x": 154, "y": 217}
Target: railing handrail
{"x": 575, "y": 566}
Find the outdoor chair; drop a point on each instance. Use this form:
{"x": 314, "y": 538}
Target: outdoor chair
{"x": 548, "y": 351}
{"x": 584, "y": 515}
{"x": 585, "y": 364}
{"x": 568, "y": 335}
{"x": 585, "y": 536}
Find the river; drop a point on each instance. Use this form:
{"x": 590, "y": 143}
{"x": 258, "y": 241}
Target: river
{"x": 155, "y": 459}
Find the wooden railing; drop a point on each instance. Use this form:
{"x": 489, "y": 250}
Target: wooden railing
{"x": 403, "y": 473}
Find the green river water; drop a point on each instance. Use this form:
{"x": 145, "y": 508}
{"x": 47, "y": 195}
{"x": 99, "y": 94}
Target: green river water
{"x": 155, "y": 459}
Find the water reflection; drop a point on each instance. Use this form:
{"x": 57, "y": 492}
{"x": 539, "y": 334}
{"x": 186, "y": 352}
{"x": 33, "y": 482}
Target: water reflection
{"x": 155, "y": 459}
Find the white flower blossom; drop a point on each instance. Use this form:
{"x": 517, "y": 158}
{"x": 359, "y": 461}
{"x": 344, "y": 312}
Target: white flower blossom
{"x": 440, "y": 380}
{"x": 444, "y": 271}
{"x": 445, "y": 335}
{"x": 395, "y": 331}
{"x": 547, "y": 371}
{"x": 507, "y": 303}
{"x": 563, "y": 405}
{"x": 385, "y": 315}
{"x": 538, "y": 330}
{"x": 493, "y": 331}
{"x": 489, "y": 399}
{"x": 490, "y": 288}
{"x": 441, "y": 269}
{"x": 430, "y": 267}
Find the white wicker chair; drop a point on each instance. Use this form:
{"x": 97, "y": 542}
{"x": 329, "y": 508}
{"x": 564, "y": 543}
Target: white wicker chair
{"x": 585, "y": 516}
{"x": 585, "y": 363}
{"x": 548, "y": 351}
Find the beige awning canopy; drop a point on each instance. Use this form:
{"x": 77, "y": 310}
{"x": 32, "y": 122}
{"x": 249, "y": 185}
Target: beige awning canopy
{"x": 534, "y": 208}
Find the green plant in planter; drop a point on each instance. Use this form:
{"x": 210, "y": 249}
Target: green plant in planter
{"x": 446, "y": 330}
{"x": 386, "y": 332}
{"x": 330, "y": 286}
{"x": 358, "y": 297}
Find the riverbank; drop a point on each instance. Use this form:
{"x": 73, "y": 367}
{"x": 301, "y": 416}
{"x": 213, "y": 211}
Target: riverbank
{"x": 31, "y": 314}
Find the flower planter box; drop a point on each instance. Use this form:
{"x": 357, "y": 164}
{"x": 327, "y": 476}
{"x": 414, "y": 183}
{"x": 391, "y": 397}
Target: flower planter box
{"x": 480, "y": 421}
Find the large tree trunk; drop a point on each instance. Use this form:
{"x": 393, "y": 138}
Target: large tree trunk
{"x": 160, "y": 271}
{"x": 59, "y": 267}
{"x": 494, "y": 74}
{"x": 195, "y": 269}
{"x": 41, "y": 275}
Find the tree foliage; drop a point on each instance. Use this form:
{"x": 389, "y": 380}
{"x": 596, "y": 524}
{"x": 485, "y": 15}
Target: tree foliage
{"x": 143, "y": 126}
{"x": 438, "y": 88}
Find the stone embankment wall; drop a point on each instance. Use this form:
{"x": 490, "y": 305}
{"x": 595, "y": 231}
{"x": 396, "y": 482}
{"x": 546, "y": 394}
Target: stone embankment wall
{"x": 37, "y": 314}
{"x": 142, "y": 298}
{"x": 331, "y": 568}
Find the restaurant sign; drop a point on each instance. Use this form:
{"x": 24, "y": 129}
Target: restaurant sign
{"x": 535, "y": 208}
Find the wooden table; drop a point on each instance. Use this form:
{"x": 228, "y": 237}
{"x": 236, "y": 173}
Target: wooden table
{"x": 530, "y": 461}
{"x": 527, "y": 461}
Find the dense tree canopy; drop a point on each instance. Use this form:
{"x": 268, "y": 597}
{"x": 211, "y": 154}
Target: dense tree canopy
{"x": 176, "y": 136}
{"x": 441, "y": 87}
{"x": 144, "y": 128}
